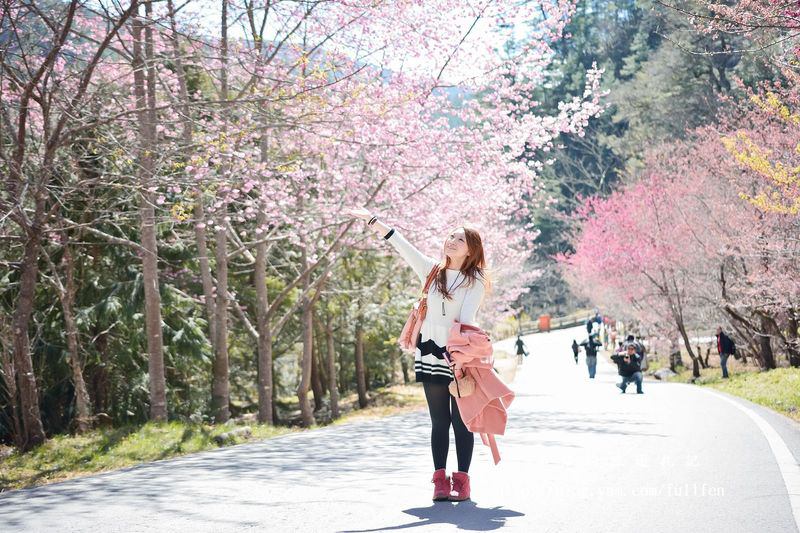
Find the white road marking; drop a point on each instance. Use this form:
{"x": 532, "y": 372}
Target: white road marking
{"x": 787, "y": 464}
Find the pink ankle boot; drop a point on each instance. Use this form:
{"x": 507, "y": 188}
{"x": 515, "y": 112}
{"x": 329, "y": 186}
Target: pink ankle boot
{"x": 460, "y": 490}
{"x": 441, "y": 486}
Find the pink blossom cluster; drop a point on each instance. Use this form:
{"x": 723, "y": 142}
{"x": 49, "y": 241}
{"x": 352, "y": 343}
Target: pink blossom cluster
{"x": 414, "y": 108}
{"x": 689, "y": 234}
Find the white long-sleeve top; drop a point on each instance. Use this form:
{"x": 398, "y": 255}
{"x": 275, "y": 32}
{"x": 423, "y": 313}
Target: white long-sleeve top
{"x": 429, "y": 363}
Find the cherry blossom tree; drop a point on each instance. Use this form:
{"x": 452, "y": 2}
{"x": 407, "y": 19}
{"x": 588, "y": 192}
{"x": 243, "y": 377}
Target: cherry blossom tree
{"x": 696, "y": 233}
{"x": 245, "y": 134}
{"x": 43, "y": 93}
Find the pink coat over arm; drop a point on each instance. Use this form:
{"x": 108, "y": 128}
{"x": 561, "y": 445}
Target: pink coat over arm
{"x": 483, "y": 411}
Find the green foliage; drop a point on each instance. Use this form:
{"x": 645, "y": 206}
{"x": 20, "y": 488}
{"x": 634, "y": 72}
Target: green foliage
{"x": 614, "y": 36}
{"x": 382, "y": 312}
{"x": 663, "y": 76}
{"x": 778, "y": 389}
{"x": 658, "y": 88}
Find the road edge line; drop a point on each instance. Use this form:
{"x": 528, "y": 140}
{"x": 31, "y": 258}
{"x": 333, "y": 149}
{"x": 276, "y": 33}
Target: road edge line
{"x": 787, "y": 464}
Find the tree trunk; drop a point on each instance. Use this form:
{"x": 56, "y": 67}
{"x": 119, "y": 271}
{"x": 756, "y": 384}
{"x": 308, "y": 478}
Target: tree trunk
{"x": 404, "y": 367}
{"x": 266, "y": 388}
{"x": 367, "y": 375}
{"x": 265, "y": 414}
{"x": 677, "y": 316}
{"x": 764, "y": 341}
{"x": 675, "y": 359}
{"x": 144, "y": 89}
{"x": 703, "y": 360}
{"x": 204, "y": 265}
{"x": 322, "y": 365}
{"x": 10, "y": 380}
{"x": 793, "y": 340}
{"x": 316, "y": 381}
{"x": 67, "y": 293}
{"x": 344, "y": 382}
{"x": 220, "y": 387}
{"x": 361, "y": 377}
{"x": 333, "y": 388}
{"x": 32, "y": 433}
{"x": 305, "y": 362}
{"x": 784, "y": 336}
{"x": 688, "y": 344}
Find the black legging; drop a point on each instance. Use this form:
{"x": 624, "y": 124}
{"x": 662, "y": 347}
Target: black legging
{"x": 444, "y": 410}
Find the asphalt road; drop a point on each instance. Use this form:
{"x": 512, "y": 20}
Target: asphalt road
{"x": 578, "y": 456}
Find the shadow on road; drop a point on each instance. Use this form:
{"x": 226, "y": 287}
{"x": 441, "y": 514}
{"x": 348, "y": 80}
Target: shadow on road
{"x": 528, "y": 422}
{"x": 190, "y": 488}
{"x": 229, "y": 488}
{"x": 464, "y": 515}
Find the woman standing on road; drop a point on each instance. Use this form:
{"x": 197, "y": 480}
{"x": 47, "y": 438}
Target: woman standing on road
{"x": 455, "y": 295}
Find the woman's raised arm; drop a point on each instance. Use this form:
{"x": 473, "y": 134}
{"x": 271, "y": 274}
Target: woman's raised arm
{"x": 421, "y": 263}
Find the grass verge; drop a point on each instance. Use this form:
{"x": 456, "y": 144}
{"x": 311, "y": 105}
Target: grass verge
{"x": 68, "y": 456}
{"x": 778, "y": 389}
{"x": 383, "y": 402}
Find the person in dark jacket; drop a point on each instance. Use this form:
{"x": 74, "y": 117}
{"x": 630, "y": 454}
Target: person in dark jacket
{"x": 575, "y": 350}
{"x": 521, "y": 349}
{"x": 591, "y": 345}
{"x": 629, "y": 370}
{"x": 725, "y": 347}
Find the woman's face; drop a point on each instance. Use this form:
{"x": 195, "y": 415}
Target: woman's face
{"x": 455, "y": 247}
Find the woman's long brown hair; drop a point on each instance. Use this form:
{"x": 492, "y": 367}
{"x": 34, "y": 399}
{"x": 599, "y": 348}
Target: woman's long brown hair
{"x": 474, "y": 264}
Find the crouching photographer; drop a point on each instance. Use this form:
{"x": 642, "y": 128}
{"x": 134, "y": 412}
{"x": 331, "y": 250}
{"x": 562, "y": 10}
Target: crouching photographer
{"x": 629, "y": 367}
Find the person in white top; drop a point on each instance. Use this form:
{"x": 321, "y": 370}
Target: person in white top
{"x": 455, "y": 295}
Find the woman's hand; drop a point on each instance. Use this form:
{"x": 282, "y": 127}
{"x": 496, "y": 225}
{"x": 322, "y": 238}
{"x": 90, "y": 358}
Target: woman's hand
{"x": 364, "y": 214}
{"x": 359, "y": 212}
{"x": 456, "y": 366}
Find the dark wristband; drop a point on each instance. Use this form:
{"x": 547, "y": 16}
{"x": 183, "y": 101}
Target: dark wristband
{"x": 386, "y": 237}
{"x": 372, "y": 221}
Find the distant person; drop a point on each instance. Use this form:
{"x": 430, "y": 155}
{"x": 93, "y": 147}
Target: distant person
{"x": 598, "y": 328}
{"x": 628, "y": 367}
{"x": 641, "y": 350}
{"x": 725, "y": 347}
{"x": 589, "y": 326}
{"x": 575, "y": 349}
{"x": 521, "y": 349}
{"x": 590, "y": 345}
